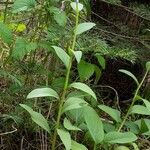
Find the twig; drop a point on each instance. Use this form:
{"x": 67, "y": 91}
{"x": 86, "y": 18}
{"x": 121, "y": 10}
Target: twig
{"x": 9, "y": 132}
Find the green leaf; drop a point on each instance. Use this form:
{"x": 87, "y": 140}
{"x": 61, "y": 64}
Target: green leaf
{"x": 78, "y": 55}
{"x": 83, "y": 87}
{"x": 120, "y": 138}
{"x": 22, "y": 5}
{"x": 94, "y": 124}
{"x": 144, "y": 128}
{"x": 73, "y": 103}
{"x": 83, "y": 27}
{"x": 130, "y": 74}
{"x": 19, "y": 50}
{"x": 148, "y": 65}
{"x": 147, "y": 103}
{"x": 69, "y": 126}
{"x": 76, "y": 115}
{"x": 115, "y": 114}
{"x": 43, "y": 92}
{"x": 75, "y": 5}
{"x": 122, "y": 148}
{"x": 97, "y": 73}
{"x": 65, "y": 137}
{"x": 77, "y": 146}
{"x": 38, "y": 118}
{"x": 22, "y": 47}
{"x": 101, "y": 60}
{"x": 65, "y": 58}
{"x": 61, "y": 18}
{"x": 86, "y": 70}
{"x": 138, "y": 109}
{"x": 132, "y": 127}
{"x": 5, "y": 33}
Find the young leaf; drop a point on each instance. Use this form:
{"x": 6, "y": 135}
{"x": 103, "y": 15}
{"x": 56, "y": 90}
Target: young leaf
{"x": 101, "y": 60}
{"x": 77, "y": 146}
{"x": 86, "y": 70}
{"x": 79, "y": 6}
{"x": 147, "y": 103}
{"x": 83, "y": 87}
{"x": 98, "y": 73}
{"x": 65, "y": 58}
{"x": 22, "y": 47}
{"x": 138, "y": 109}
{"x": 130, "y": 74}
{"x": 38, "y": 118}
{"x": 65, "y": 137}
{"x": 69, "y": 126}
{"x": 148, "y": 65}
{"x": 22, "y": 5}
{"x": 43, "y": 92}
{"x": 94, "y": 124}
{"x": 83, "y": 27}
{"x": 73, "y": 103}
{"x": 78, "y": 55}
{"x": 121, "y": 148}
{"x": 5, "y": 33}
{"x": 115, "y": 114}
{"x": 61, "y": 18}
{"x": 120, "y": 138}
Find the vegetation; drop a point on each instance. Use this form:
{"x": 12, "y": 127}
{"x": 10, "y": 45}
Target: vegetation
{"x": 52, "y": 61}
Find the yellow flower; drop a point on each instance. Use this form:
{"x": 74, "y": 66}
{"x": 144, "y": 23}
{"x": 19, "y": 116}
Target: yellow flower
{"x": 21, "y": 27}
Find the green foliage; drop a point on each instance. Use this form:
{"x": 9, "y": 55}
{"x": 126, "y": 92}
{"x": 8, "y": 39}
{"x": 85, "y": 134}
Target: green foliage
{"x": 5, "y": 33}
{"x": 31, "y": 59}
{"x": 95, "y": 126}
{"x": 65, "y": 137}
{"x": 23, "y": 5}
{"x": 38, "y": 118}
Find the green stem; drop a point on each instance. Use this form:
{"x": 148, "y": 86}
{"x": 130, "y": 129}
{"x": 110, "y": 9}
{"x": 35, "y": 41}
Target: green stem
{"x": 5, "y": 12}
{"x": 133, "y": 101}
{"x": 94, "y": 146}
{"x": 62, "y": 99}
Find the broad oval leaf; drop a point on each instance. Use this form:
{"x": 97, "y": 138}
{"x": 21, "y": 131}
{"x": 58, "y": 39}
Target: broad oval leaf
{"x": 130, "y": 74}
{"x": 5, "y": 33}
{"x": 64, "y": 57}
{"x": 61, "y": 18}
{"x": 43, "y": 92}
{"x": 121, "y": 148}
{"x": 78, "y": 55}
{"x": 22, "y": 5}
{"x": 83, "y": 27}
{"x": 77, "y": 146}
{"x": 65, "y": 138}
{"x": 120, "y": 138}
{"x": 83, "y": 87}
{"x": 115, "y": 114}
{"x": 86, "y": 70}
{"x": 101, "y": 60}
{"x": 148, "y": 65}
{"x": 38, "y": 118}
{"x": 73, "y": 103}
{"x": 94, "y": 124}
{"x": 147, "y": 103}
{"x": 68, "y": 125}
{"x": 138, "y": 109}
{"x": 76, "y": 6}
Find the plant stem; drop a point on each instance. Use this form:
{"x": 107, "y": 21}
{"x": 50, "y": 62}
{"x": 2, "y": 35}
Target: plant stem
{"x": 62, "y": 99}
{"x": 133, "y": 101}
{"x": 5, "y": 12}
{"x": 94, "y": 146}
